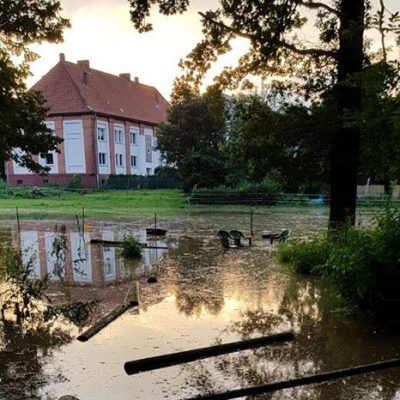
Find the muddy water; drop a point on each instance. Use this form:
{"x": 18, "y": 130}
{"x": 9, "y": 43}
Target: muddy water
{"x": 203, "y": 296}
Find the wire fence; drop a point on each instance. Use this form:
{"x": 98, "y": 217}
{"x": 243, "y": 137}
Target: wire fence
{"x": 55, "y": 203}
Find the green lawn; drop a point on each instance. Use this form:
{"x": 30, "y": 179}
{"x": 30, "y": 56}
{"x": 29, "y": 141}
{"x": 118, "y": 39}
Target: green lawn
{"x": 112, "y": 204}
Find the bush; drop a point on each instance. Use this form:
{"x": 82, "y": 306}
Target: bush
{"x": 363, "y": 265}
{"x": 75, "y": 182}
{"x": 131, "y": 248}
{"x": 305, "y": 257}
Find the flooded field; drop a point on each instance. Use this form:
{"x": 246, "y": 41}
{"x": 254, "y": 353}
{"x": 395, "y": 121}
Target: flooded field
{"x": 204, "y": 295}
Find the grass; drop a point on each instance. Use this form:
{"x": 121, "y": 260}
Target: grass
{"x": 111, "y": 203}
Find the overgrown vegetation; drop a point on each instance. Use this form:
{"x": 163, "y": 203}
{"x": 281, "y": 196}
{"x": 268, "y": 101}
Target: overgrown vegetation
{"x": 362, "y": 264}
{"x": 23, "y": 294}
{"x": 131, "y": 248}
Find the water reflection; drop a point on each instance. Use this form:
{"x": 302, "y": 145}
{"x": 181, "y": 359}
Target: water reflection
{"x": 324, "y": 341}
{"x": 83, "y": 263}
{"x": 22, "y": 346}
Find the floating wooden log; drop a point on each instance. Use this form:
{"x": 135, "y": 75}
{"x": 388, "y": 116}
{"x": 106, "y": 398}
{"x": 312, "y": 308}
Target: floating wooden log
{"x": 168, "y": 360}
{"x": 112, "y": 243}
{"x": 100, "y": 325}
{"x": 307, "y": 380}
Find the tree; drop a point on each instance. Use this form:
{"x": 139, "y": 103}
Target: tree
{"x": 22, "y": 112}
{"x": 288, "y": 138}
{"x": 277, "y": 50}
{"x": 380, "y": 124}
{"x": 193, "y": 137}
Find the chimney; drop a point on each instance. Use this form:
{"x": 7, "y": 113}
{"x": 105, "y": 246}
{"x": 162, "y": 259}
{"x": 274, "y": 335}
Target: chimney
{"x": 84, "y": 63}
{"x": 62, "y": 57}
{"x": 125, "y": 76}
{"x": 136, "y": 79}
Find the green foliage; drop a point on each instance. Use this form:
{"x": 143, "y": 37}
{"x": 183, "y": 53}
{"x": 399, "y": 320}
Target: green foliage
{"x": 10, "y": 261}
{"x": 131, "y": 248}
{"x": 75, "y": 182}
{"x": 199, "y": 170}
{"x": 22, "y": 112}
{"x": 287, "y": 141}
{"x": 193, "y": 138}
{"x": 165, "y": 171}
{"x": 362, "y": 264}
{"x": 306, "y": 257}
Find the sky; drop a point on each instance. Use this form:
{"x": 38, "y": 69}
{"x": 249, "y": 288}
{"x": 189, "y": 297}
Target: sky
{"x": 102, "y": 32}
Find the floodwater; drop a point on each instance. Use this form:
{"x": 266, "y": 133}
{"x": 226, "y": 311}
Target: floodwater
{"x": 203, "y": 296}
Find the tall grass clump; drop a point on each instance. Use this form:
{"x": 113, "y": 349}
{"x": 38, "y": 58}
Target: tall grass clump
{"x": 306, "y": 257}
{"x": 363, "y": 266}
{"x": 131, "y": 248}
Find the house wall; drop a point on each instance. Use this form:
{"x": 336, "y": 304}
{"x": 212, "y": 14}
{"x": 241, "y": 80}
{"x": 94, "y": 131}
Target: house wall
{"x": 80, "y": 134}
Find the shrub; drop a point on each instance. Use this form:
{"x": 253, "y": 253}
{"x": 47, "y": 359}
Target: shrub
{"x": 305, "y": 257}
{"x": 75, "y": 182}
{"x": 131, "y": 248}
{"x": 363, "y": 265}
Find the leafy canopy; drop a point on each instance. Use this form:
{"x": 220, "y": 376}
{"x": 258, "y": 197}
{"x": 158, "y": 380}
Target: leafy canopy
{"x": 22, "y": 112}
{"x": 277, "y": 33}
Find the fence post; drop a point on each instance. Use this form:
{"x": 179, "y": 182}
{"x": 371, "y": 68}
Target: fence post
{"x": 19, "y": 228}
{"x": 251, "y": 223}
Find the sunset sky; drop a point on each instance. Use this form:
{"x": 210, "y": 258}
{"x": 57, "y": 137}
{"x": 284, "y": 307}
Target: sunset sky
{"x": 103, "y": 33}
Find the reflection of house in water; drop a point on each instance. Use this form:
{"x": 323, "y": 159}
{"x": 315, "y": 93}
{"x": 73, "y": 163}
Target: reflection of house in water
{"x": 81, "y": 262}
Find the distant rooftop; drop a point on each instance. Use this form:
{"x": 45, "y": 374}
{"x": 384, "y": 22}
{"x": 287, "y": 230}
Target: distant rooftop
{"x": 76, "y": 88}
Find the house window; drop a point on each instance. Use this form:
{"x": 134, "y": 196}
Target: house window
{"x": 148, "y": 171}
{"x": 101, "y": 134}
{"x": 107, "y": 267}
{"x": 119, "y": 160}
{"x": 133, "y": 161}
{"x": 102, "y": 159}
{"x": 134, "y": 136}
{"x": 47, "y": 158}
{"x": 118, "y": 134}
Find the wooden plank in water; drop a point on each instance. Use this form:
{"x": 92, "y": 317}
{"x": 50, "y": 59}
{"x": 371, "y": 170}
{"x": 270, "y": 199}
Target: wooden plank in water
{"x": 100, "y": 325}
{"x": 168, "y": 360}
{"x": 112, "y": 243}
{"x": 307, "y": 380}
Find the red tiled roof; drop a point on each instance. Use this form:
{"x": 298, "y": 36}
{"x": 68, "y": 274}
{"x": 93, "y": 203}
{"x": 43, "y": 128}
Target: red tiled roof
{"x": 65, "y": 92}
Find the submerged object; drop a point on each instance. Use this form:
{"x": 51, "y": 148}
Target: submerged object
{"x": 156, "y": 231}
{"x": 280, "y": 236}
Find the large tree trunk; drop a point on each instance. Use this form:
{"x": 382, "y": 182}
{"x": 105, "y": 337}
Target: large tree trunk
{"x": 345, "y": 143}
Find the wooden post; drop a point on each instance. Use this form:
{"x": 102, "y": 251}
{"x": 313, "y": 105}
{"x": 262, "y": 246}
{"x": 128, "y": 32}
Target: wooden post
{"x": 19, "y": 229}
{"x": 18, "y": 223}
{"x": 251, "y": 223}
{"x": 168, "y": 360}
{"x": 307, "y": 380}
{"x": 83, "y": 221}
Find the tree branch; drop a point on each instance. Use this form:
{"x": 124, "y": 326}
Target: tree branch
{"x": 308, "y": 51}
{"x": 315, "y": 5}
{"x": 289, "y": 46}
